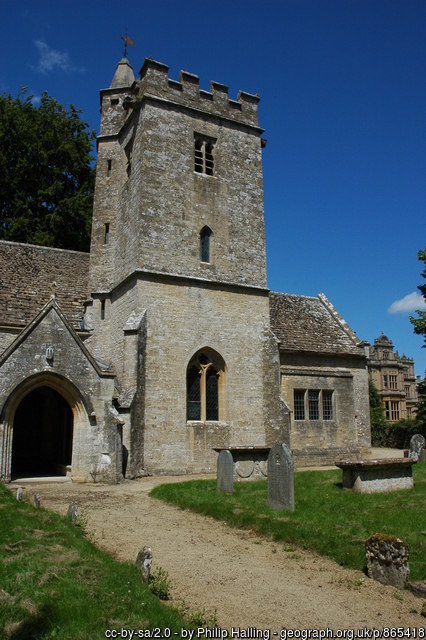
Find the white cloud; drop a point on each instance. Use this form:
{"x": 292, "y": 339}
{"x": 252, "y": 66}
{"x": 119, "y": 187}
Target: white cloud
{"x": 410, "y": 302}
{"x": 51, "y": 59}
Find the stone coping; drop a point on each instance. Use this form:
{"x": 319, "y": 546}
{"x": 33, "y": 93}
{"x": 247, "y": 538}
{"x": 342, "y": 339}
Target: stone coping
{"x": 382, "y": 462}
{"x": 260, "y": 449}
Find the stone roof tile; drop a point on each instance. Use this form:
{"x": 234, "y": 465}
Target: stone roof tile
{"x": 30, "y": 274}
{"x": 303, "y": 323}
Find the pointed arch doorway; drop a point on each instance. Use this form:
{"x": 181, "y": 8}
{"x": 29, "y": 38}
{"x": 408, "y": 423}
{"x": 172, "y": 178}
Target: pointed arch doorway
{"x": 42, "y": 434}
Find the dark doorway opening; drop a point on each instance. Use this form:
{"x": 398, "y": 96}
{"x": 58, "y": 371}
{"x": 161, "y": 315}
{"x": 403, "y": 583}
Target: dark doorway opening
{"x": 42, "y": 435}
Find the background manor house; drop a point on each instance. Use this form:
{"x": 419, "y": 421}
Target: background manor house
{"x": 165, "y": 343}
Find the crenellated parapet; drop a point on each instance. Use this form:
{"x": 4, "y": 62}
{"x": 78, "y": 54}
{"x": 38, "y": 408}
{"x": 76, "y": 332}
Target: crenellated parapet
{"x": 154, "y": 81}
{"x": 125, "y": 94}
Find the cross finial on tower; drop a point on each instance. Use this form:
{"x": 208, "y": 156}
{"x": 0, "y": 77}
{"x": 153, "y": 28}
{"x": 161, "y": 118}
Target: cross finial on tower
{"x": 127, "y": 41}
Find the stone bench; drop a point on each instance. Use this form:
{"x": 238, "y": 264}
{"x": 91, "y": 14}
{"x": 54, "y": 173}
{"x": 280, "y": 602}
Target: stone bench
{"x": 250, "y": 463}
{"x": 377, "y": 476}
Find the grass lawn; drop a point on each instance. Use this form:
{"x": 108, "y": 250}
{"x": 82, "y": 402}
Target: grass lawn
{"x": 54, "y": 583}
{"x": 327, "y": 519}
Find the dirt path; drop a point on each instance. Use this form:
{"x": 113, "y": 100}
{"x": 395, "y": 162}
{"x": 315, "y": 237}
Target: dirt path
{"x": 249, "y": 581}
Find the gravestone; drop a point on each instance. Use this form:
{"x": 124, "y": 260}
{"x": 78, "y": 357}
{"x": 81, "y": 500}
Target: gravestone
{"x": 37, "y": 500}
{"x": 225, "y": 472}
{"x": 144, "y": 562}
{"x": 280, "y": 478}
{"x": 19, "y": 493}
{"x": 387, "y": 560}
{"x": 72, "y": 512}
{"x": 417, "y": 448}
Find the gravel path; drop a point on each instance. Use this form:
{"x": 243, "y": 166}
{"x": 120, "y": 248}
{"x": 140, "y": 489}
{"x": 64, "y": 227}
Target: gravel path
{"x": 249, "y": 581}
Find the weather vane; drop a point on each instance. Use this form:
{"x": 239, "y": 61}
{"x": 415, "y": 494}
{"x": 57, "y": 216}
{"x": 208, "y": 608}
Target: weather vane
{"x": 127, "y": 41}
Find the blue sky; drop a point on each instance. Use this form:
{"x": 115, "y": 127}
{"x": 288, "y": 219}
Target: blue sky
{"x": 343, "y": 104}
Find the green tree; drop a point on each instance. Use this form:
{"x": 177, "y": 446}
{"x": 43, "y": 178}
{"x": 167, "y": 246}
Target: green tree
{"x": 46, "y": 175}
{"x": 377, "y": 419}
{"x": 419, "y": 323}
{"x": 421, "y": 405}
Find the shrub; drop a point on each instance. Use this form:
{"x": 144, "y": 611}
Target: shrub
{"x": 160, "y": 585}
{"x": 399, "y": 434}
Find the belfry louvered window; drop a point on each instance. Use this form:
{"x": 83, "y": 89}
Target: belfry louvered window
{"x": 203, "y": 155}
{"x": 204, "y": 386}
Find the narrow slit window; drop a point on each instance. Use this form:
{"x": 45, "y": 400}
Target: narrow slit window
{"x": 106, "y": 233}
{"x": 109, "y": 168}
{"x": 205, "y": 237}
{"x": 102, "y": 309}
{"x": 129, "y": 157}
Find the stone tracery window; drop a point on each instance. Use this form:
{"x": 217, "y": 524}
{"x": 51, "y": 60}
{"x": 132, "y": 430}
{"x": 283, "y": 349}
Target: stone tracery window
{"x": 204, "y": 386}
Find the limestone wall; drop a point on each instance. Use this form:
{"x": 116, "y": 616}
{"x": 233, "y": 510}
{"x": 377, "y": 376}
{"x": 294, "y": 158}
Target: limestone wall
{"x": 74, "y": 376}
{"x": 181, "y": 318}
{"x": 157, "y": 208}
{"x": 7, "y": 336}
{"x": 348, "y": 432}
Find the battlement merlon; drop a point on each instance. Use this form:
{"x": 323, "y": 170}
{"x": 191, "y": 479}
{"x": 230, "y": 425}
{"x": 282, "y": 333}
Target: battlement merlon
{"x": 154, "y": 80}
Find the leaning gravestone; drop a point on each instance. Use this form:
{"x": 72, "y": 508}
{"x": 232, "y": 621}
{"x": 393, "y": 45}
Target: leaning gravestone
{"x": 387, "y": 560}
{"x": 19, "y": 493}
{"x": 225, "y": 472}
{"x": 417, "y": 448}
{"x": 280, "y": 478}
{"x": 72, "y": 512}
{"x": 144, "y": 562}
{"x": 37, "y": 500}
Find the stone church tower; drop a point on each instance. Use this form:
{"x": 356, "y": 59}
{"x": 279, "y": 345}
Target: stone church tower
{"x": 178, "y": 300}
{"x": 181, "y": 349}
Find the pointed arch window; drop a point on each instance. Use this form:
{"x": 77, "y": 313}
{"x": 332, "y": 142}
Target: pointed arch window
{"x": 205, "y": 244}
{"x": 205, "y": 386}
